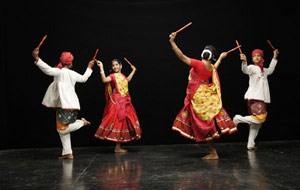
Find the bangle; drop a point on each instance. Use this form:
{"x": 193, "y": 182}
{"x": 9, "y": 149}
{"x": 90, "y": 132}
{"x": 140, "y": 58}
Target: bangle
{"x": 101, "y": 72}
{"x": 175, "y": 47}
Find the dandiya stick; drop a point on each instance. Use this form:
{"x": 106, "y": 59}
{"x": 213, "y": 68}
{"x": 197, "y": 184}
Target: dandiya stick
{"x": 44, "y": 38}
{"x": 234, "y": 49}
{"x": 183, "y": 28}
{"x": 271, "y": 45}
{"x": 237, "y": 43}
{"x": 95, "y": 54}
{"x": 127, "y": 61}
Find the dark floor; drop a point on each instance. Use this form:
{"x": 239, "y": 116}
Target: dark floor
{"x": 274, "y": 165}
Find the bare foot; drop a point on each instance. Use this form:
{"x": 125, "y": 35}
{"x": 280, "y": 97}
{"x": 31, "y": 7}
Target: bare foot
{"x": 85, "y": 122}
{"x": 66, "y": 156}
{"x": 211, "y": 157}
{"x": 120, "y": 150}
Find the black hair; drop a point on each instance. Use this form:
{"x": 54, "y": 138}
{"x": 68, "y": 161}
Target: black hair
{"x": 117, "y": 60}
{"x": 213, "y": 51}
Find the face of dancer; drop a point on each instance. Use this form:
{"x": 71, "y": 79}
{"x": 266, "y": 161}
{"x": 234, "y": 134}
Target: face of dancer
{"x": 116, "y": 67}
{"x": 256, "y": 58}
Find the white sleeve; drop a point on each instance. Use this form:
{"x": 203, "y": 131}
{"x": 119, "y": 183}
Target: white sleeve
{"x": 271, "y": 67}
{"x": 47, "y": 69}
{"x": 83, "y": 78}
{"x": 246, "y": 69}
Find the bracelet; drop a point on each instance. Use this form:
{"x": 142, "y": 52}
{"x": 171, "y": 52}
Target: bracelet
{"x": 175, "y": 47}
{"x": 101, "y": 72}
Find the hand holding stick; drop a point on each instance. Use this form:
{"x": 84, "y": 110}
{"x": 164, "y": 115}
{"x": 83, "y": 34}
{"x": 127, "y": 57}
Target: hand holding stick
{"x": 35, "y": 54}
{"x": 237, "y": 43}
{"x": 99, "y": 63}
{"x": 183, "y": 28}
{"x": 44, "y": 38}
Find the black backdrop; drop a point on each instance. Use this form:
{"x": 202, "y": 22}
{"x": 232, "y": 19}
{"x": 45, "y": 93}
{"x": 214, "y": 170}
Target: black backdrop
{"x": 139, "y": 30}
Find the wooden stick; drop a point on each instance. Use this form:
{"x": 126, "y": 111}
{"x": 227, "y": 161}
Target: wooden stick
{"x": 44, "y": 38}
{"x": 234, "y": 49}
{"x": 127, "y": 61}
{"x": 237, "y": 43}
{"x": 95, "y": 54}
{"x": 183, "y": 28}
{"x": 271, "y": 45}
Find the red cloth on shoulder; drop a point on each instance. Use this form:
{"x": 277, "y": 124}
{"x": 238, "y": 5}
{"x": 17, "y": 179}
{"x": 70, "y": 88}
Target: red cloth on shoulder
{"x": 200, "y": 69}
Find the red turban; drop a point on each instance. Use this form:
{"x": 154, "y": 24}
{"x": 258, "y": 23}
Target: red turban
{"x": 261, "y": 53}
{"x": 65, "y": 58}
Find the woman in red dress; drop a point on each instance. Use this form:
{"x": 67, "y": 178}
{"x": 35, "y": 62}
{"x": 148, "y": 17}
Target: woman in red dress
{"x": 119, "y": 123}
{"x": 203, "y": 103}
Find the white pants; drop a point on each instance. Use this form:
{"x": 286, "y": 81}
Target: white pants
{"x": 254, "y": 127}
{"x": 65, "y": 136}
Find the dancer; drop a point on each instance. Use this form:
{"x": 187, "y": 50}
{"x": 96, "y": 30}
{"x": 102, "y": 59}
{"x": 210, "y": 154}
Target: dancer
{"x": 202, "y": 104}
{"x": 119, "y": 123}
{"x": 61, "y": 95}
{"x": 258, "y": 94}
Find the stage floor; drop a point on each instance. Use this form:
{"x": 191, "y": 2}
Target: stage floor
{"x": 274, "y": 165}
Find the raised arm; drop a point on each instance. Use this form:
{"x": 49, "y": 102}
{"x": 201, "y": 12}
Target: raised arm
{"x": 273, "y": 63}
{"x": 275, "y": 54}
{"x": 83, "y": 78}
{"x": 103, "y": 77}
{"x": 218, "y": 62}
{"x": 132, "y": 73}
{"x": 177, "y": 51}
{"x": 245, "y": 68}
{"x": 45, "y": 68}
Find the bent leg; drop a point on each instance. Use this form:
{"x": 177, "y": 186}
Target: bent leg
{"x": 244, "y": 119}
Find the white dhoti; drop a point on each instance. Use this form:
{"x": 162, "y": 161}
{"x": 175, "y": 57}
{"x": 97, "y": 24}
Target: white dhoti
{"x": 254, "y": 127}
{"x": 65, "y": 136}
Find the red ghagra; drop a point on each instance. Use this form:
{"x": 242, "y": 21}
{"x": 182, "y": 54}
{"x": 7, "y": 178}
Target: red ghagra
{"x": 120, "y": 122}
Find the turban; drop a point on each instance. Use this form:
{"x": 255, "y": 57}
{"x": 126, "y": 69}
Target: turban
{"x": 65, "y": 58}
{"x": 261, "y": 53}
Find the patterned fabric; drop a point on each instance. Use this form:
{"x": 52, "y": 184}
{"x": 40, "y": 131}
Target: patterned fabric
{"x": 207, "y": 100}
{"x": 257, "y": 109}
{"x": 65, "y": 117}
{"x": 122, "y": 84}
{"x": 202, "y": 106}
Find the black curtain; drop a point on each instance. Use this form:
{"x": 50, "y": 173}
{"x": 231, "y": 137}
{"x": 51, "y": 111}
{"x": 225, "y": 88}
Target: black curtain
{"x": 139, "y": 30}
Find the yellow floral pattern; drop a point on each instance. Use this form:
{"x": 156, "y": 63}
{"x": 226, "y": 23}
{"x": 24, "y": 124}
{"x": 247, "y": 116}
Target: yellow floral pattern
{"x": 122, "y": 84}
{"x": 207, "y": 100}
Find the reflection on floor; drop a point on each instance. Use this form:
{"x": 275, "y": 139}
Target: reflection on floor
{"x": 274, "y": 165}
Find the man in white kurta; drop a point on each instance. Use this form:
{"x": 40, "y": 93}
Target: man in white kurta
{"x": 258, "y": 93}
{"x": 61, "y": 95}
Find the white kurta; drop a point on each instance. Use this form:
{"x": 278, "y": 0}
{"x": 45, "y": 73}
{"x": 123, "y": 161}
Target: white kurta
{"x": 258, "y": 81}
{"x": 61, "y": 92}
